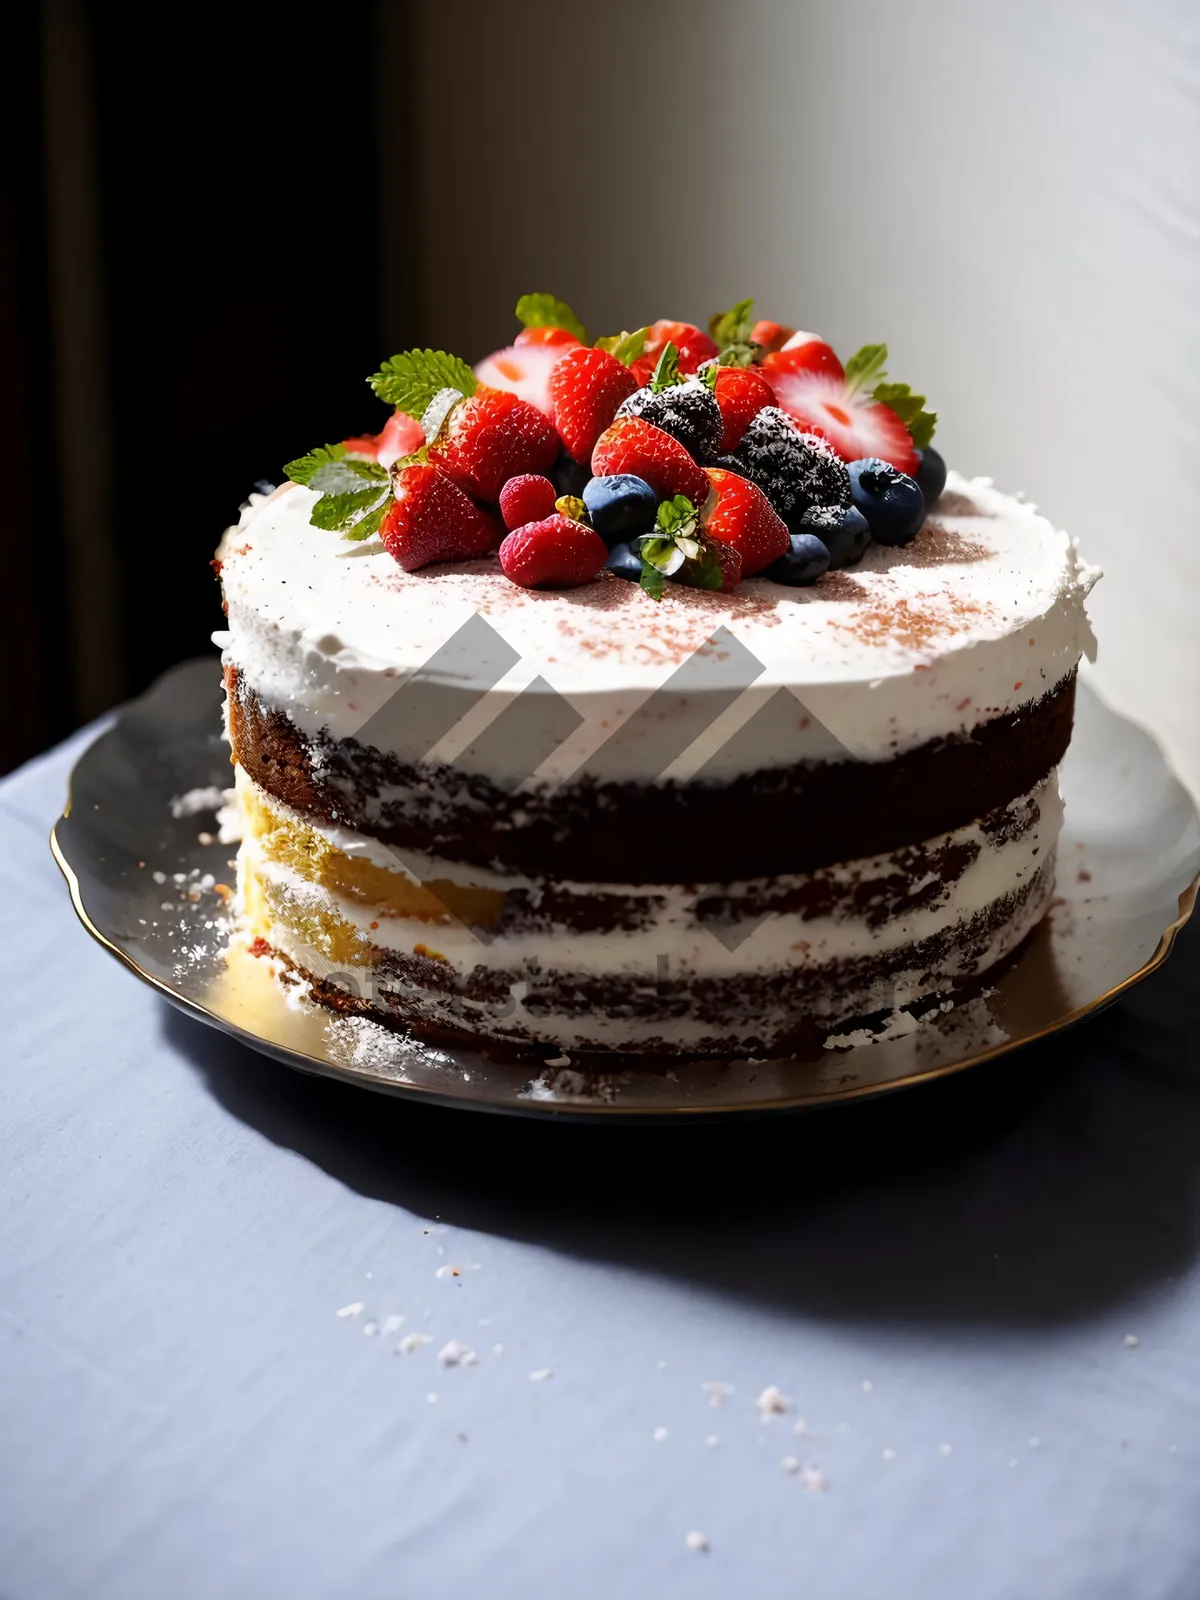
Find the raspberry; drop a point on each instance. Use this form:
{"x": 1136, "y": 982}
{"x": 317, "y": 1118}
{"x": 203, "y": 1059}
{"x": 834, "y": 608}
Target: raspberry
{"x": 528, "y": 498}
{"x": 556, "y": 553}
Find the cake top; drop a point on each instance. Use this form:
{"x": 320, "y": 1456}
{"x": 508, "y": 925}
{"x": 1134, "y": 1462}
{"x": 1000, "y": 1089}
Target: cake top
{"x": 668, "y": 455}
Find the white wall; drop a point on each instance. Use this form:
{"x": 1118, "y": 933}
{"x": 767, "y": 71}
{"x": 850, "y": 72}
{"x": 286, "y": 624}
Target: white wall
{"x": 1009, "y": 193}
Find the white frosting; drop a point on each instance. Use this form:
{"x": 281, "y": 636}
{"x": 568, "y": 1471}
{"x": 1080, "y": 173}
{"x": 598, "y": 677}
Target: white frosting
{"x": 983, "y": 613}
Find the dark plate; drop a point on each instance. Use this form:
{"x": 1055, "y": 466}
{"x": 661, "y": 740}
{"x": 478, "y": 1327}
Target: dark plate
{"x": 1127, "y": 882}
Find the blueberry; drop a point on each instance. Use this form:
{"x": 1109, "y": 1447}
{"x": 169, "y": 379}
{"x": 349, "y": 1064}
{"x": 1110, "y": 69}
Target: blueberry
{"x": 794, "y": 470}
{"x": 568, "y": 476}
{"x": 803, "y": 564}
{"x": 891, "y": 501}
{"x": 687, "y": 411}
{"x": 931, "y": 474}
{"x": 620, "y": 507}
{"x": 843, "y": 530}
{"x": 626, "y": 563}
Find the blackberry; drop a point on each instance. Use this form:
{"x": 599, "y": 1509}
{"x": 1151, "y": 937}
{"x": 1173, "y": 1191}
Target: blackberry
{"x": 687, "y": 411}
{"x": 794, "y": 470}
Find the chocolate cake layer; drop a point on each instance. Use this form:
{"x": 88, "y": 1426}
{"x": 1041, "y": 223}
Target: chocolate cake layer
{"x": 786, "y": 819}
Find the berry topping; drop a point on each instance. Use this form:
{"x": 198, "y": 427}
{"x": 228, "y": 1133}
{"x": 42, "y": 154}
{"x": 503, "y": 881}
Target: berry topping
{"x": 632, "y": 445}
{"x": 693, "y": 344}
{"x": 930, "y": 474}
{"x": 770, "y": 335}
{"x": 741, "y": 516}
{"x": 891, "y": 501}
{"x": 803, "y": 352}
{"x": 586, "y": 387}
{"x": 555, "y": 553}
{"x": 794, "y": 470}
{"x": 626, "y": 563}
{"x": 400, "y": 436}
{"x": 528, "y": 498}
{"x": 432, "y": 519}
{"x": 545, "y": 336}
{"x": 802, "y": 564}
{"x": 491, "y": 438}
{"x": 545, "y": 313}
{"x": 687, "y": 411}
{"x": 525, "y": 370}
{"x": 853, "y": 424}
{"x": 570, "y": 477}
{"x": 842, "y": 530}
{"x": 740, "y": 393}
{"x": 621, "y": 507}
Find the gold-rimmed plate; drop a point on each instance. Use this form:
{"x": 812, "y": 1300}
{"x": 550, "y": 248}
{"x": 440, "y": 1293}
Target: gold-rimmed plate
{"x": 138, "y": 846}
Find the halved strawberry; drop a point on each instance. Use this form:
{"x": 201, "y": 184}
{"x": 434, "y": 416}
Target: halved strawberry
{"x": 741, "y": 393}
{"x": 770, "y": 335}
{"x": 544, "y": 336}
{"x": 432, "y": 519}
{"x": 693, "y": 344}
{"x": 524, "y": 368}
{"x": 847, "y": 419}
{"x": 631, "y": 445}
{"x": 399, "y": 436}
{"x": 586, "y": 387}
{"x": 803, "y": 352}
{"x": 490, "y": 438}
{"x": 740, "y": 515}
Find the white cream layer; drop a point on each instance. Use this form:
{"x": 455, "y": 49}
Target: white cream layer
{"x": 671, "y": 933}
{"x": 982, "y": 614}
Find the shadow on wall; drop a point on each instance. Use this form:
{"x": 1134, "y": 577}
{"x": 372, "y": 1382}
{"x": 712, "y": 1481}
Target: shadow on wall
{"x": 1031, "y": 1191}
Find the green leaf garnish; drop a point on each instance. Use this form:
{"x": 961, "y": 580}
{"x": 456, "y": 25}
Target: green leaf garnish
{"x": 545, "y": 311}
{"x": 346, "y": 476}
{"x": 652, "y": 580}
{"x": 368, "y": 526}
{"x": 708, "y": 374}
{"x": 411, "y": 379}
{"x": 627, "y": 347}
{"x": 303, "y": 468}
{"x": 340, "y": 511}
{"x": 675, "y": 515}
{"x": 732, "y": 329}
{"x": 910, "y": 408}
{"x": 666, "y": 373}
{"x": 865, "y": 367}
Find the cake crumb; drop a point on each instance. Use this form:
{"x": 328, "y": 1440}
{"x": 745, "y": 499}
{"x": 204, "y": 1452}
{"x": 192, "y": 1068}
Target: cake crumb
{"x": 791, "y": 1464}
{"x": 455, "y": 1354}
{"x": 695, "y": 1540}
{"x": 431, "y": 1398}
{"x": 412, "y": 1342}
{"x": 1131, "y": 1341}
{"x": 446, "y": 1271}
{"x": 659, "y": 1435}
{"x": 716, "y": 1392}
{"x": 867, "y": 1386}
{"x": 711, "y": 1440}
{"x": 540, "y": 1375}
{"x": 814, "y": 1480}
{"x": 772, "y": 1402}
{"x": 945, "y": 1449}
{"x": 354, "y": 1309}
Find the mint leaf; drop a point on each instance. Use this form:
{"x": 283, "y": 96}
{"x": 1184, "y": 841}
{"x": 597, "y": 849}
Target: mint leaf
{"x": 411, "y": 379}
{"x": 303, "y": 468}
{"x": 340, "y": 511}
{"x": 666, "y": 373}
{"x": 733, "y": 326}
{"x": 865, "y": 367}
{"x": 346, "y": 476}
{"x": 674, "y": 515}
{"x": 545, "y": 311}
{"x": 627, "y": 347}
{"x": 708, "y": 374}
{"x": 368, "y": 527}
{"x": 910, "y": 408}
{"x": 652, "y": 580}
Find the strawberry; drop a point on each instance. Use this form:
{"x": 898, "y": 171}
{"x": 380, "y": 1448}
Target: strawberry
{"x": 848, "y": 419}
{"x": 586, "y": 387}
{"x": 770, "y": 335}
{"x": 545, "y": 336}
{"x": 803, "y": 352}
{"x": 693, "y": 344}
{"x": 742, "y": 517}
{"x": 556, "y": 553}
{"x": 432, "y": 519}
{"x": 524, "y": 368}
{"x": 528, "y": 498}
{"x": 729, "y": 559}
{"x": 637, "y": 447}
{"x": 740, "y": 393}
{"x": 400, "y": 436}
{"x": 491, "y": 438}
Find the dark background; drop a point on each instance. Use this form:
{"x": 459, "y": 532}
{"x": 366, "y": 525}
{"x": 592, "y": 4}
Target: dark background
{"x": 190, "y": 259}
